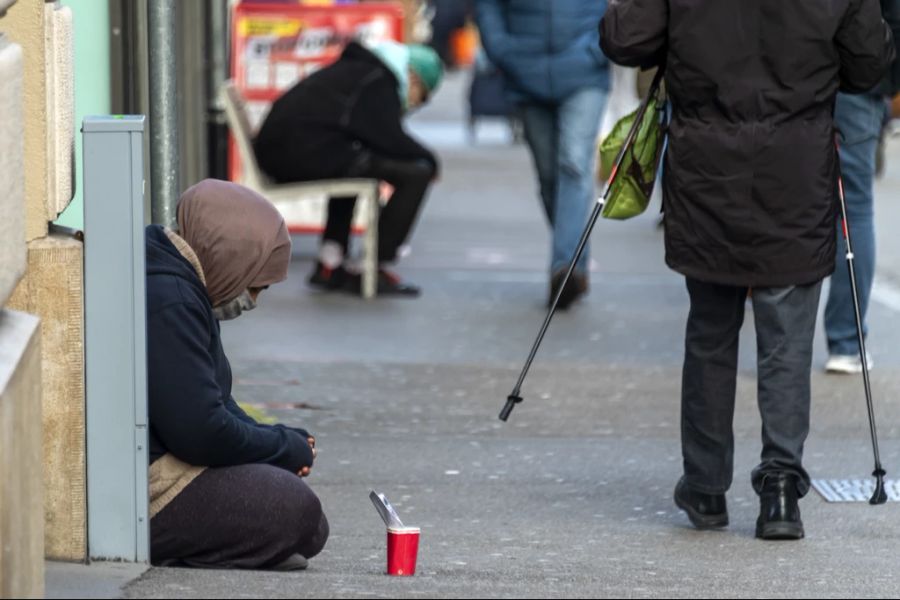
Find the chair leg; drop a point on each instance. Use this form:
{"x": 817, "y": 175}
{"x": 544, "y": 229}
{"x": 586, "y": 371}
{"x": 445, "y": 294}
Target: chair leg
{"x": 370, "y": 258}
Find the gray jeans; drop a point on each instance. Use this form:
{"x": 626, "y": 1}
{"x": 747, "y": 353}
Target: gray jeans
{"x": 785, "y": 326}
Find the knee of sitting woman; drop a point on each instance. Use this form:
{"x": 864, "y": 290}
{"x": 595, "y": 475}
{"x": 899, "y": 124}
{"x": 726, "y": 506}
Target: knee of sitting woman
{"x": 314, "y": 545}
{"x": 306, "y": 510}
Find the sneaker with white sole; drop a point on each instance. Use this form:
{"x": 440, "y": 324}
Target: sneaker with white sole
{"x": 846, "y": 364}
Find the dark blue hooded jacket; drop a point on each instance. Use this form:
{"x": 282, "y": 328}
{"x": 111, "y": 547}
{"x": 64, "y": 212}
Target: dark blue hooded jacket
{"x": 548, "y": 49}
{"x": 192, "y": 413}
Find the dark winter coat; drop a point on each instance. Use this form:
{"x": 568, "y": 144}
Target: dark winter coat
{"x": 890, "y": 85}
{"x": 546, "y": 49}
{"x": 318, "y": 128}
{"x": 751, "y": 165}
{"x": 192, "y": 413}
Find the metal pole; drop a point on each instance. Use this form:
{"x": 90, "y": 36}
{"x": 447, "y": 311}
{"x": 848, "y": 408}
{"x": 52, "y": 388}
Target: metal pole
{"x": 216, "y": 74}
{"x": 164, "y": 147}
{"x": 880, "y": 495}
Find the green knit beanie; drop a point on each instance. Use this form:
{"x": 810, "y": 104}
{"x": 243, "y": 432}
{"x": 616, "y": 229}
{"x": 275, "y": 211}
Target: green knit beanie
{"x": 426, "y": 63}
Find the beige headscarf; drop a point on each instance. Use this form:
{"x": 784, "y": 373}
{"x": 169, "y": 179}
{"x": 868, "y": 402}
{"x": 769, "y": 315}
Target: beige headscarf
{"x": 239, "y": 237}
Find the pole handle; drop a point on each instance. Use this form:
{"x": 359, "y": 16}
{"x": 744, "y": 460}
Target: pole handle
{"x": 510, "y": 405}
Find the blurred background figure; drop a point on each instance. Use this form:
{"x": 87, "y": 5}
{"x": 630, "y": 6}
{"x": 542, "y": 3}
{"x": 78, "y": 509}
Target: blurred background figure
{"x": 346, "y": 120}
{"x": 860, "y": 120}
{"x": 550, "y": 56}
{"x": 488, "y": 98}
{"x": 448, "y": 18}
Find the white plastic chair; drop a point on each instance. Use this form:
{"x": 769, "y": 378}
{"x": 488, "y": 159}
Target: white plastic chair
{"x": 283, "y": 195}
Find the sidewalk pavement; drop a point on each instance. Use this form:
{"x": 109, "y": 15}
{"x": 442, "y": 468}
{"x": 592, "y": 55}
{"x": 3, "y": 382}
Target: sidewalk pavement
{"x": 98, "y": 580}
{"x": 572, "y": 497}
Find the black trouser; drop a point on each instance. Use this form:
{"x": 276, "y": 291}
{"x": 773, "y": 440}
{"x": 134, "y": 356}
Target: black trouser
{"x": 246, "y": 517}
{"x": 410, "y": 179}
{"x": 785, "y": 325}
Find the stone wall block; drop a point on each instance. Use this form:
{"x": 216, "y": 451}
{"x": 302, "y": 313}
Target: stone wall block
{"x": 21, "y": 491}
{"x": 53, "y": 289}
{"x": 12, "y": 182}
{"x": 24, "y": 23}
{"x": 60, "y": 107}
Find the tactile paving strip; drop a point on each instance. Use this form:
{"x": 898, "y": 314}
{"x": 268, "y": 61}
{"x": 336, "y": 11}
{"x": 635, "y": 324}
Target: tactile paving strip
{"x": 854, "y": 490}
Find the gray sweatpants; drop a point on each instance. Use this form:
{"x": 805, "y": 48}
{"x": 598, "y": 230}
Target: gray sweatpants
{"x": 785, "y": 327}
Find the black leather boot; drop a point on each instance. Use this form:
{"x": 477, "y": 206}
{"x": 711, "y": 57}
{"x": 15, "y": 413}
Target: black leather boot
{"x": 575, "y": 289}
{"x": 779, "y": 509}
{"x": 706, "y": 511}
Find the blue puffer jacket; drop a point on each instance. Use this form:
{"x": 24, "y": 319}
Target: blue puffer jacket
{"x": 548, "y": 49}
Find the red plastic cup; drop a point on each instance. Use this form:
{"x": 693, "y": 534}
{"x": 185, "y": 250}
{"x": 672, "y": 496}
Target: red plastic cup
{"x": 402, "y": 549}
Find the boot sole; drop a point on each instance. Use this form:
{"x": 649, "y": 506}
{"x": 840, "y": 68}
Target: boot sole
{"x": 780, "y": 531}
{"x": 701, "y": 521}
{"x": 389, "y": 292}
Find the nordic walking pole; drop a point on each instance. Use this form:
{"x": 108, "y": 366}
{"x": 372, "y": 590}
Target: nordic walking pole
{"x": 515, "y": 397}
{"x": 880, "y": 495}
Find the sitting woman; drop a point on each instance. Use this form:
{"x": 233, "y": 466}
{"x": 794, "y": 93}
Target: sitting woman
{"x": 225, "y": 491}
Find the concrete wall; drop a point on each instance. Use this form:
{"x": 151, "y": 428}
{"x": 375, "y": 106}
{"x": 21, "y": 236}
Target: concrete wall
{"x": 45, "y": 36}
{"x": 21, "y": 481}
{"x": 24, "y": 23}
{"x": 12, "y": 189}
{"x": 21, "y": 524}
{"x": 53, "y": 290}
{"x": 60, "y": 62}
{"x": 36, "y": 181}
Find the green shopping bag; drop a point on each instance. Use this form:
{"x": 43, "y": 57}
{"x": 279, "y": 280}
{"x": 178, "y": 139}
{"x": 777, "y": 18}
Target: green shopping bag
{"x": 630, "y": 191}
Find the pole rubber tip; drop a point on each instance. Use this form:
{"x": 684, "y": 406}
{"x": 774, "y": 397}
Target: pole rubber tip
{"x": 510, "y": 405}
{"x": 880, "y": 496}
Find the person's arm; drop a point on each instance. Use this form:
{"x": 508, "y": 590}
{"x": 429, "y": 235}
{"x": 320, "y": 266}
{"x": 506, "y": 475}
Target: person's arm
{"x": 582, "y": 57}
{"x": 634, "y": 33}
{"x": 865, "y": 46}
{"x": 187, "y": 410}
{"x": 499, "y": 45}
{"x": 235, "y": 409}
{"x": 377, "y": 121}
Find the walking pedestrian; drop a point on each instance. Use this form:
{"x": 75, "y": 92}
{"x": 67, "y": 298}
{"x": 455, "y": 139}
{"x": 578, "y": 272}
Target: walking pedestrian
{"x": 346, "y": 121}
{"x": 749, "y": 193}
{"x": 557, "y": 74}
{"x": 860, "y": 121}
